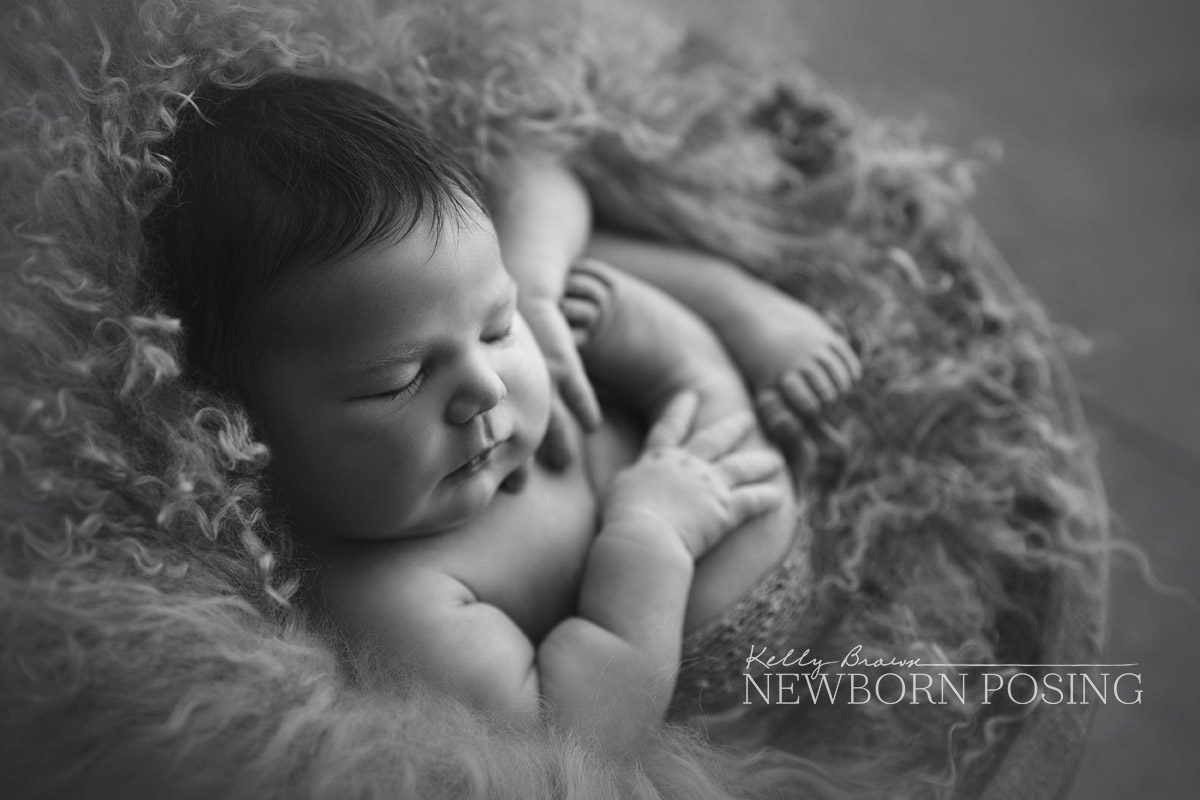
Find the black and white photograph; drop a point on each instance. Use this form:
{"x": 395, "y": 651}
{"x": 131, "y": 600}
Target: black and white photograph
{"x": 650, "y": 399}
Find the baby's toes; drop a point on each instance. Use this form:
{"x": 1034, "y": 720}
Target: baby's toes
{"x": 579, "y": 312}
{"x": 778, "y": 419}
{"x": 586, "y": 281}
{"x": 582, "y": 317}
{"x": 822, "y": 383}
{"x": 836, "y": 370}
{"x": 798, "y": 392}
{"x": 848, "y": 357}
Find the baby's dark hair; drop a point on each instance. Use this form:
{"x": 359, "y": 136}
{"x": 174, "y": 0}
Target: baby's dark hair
{"x": 287, "y": 173}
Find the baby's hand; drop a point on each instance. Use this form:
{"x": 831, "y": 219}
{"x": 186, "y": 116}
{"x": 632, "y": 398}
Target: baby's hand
{"x": 697, "y": 484}
{"x": 557, "y": 343}
{"x": 796, "y": 363}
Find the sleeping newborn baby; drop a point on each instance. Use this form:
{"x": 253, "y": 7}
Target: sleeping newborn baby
{"x": 337, "y": 273}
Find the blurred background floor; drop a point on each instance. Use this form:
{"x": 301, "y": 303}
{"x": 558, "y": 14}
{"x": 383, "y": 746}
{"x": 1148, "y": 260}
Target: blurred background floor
{"x": 1096, "y": 204}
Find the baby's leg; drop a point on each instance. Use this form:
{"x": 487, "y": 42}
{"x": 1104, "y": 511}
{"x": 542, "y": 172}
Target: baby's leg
{"x": 646, "y": 346}
{"x": 792, "y": 357}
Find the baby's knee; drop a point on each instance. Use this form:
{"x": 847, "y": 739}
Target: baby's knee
{"x": 720, "y": 387}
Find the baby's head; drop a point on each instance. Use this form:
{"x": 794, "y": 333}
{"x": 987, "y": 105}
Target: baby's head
{"x": 334, "y": 269}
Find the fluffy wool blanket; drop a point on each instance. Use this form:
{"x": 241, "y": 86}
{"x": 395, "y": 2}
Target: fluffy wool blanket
{"x": 150, "y": 645}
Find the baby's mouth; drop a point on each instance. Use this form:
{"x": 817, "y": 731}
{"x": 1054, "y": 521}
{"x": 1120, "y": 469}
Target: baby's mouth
{"x": 476, "y": 463}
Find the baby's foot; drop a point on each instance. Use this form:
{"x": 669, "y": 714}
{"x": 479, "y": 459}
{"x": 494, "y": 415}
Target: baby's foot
{"x": 587, "y": 300}
{"x": 621, "y": 330}
{"x": 797, "y": 364}
{"x": 645, "y": 345}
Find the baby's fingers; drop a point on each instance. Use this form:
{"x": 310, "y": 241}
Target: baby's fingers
{"x": 556, "y": 340}
{"x": 577, "y": 391}
{"x": 748, "y": 502}
{"x": 752, "y": 466}
{"x": 721, "y": 436}
{"x": 674, "y": 422}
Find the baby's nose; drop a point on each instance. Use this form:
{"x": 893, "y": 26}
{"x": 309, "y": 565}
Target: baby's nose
{"x": 482, "y": 390}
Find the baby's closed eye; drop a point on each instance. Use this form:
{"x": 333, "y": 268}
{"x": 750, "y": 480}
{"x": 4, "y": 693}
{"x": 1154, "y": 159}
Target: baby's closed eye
{"x": 401, "y": 388}
{"x": 499, "y": 332}
{"x": 499, "y": 322}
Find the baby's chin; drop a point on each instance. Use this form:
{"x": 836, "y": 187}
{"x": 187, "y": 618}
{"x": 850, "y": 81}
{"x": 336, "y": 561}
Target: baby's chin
{"x": 470, "y": 496}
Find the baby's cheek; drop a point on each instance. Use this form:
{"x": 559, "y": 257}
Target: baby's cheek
{"x": 388, "y": 459}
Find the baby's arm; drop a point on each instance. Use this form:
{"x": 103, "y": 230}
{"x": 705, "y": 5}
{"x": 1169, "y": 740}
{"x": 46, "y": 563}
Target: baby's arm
{"x": 645, "y": 346}
{"x": 792, "y": 358}
{"x": 543, "y": 220}
{"x": 611, "y": 669}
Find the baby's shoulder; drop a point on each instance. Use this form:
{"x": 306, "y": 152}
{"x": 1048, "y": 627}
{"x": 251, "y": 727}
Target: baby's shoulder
{"x": 523, "y": 555}
{"x": 368, "y": 579}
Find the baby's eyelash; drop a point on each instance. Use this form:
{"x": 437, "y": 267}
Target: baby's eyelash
{"x": 407, "y": 390}
{"x": 501, "y": 336}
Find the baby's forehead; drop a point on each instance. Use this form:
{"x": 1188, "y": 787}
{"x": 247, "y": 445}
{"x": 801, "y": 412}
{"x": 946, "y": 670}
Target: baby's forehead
{"x": 431, "y": 277}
